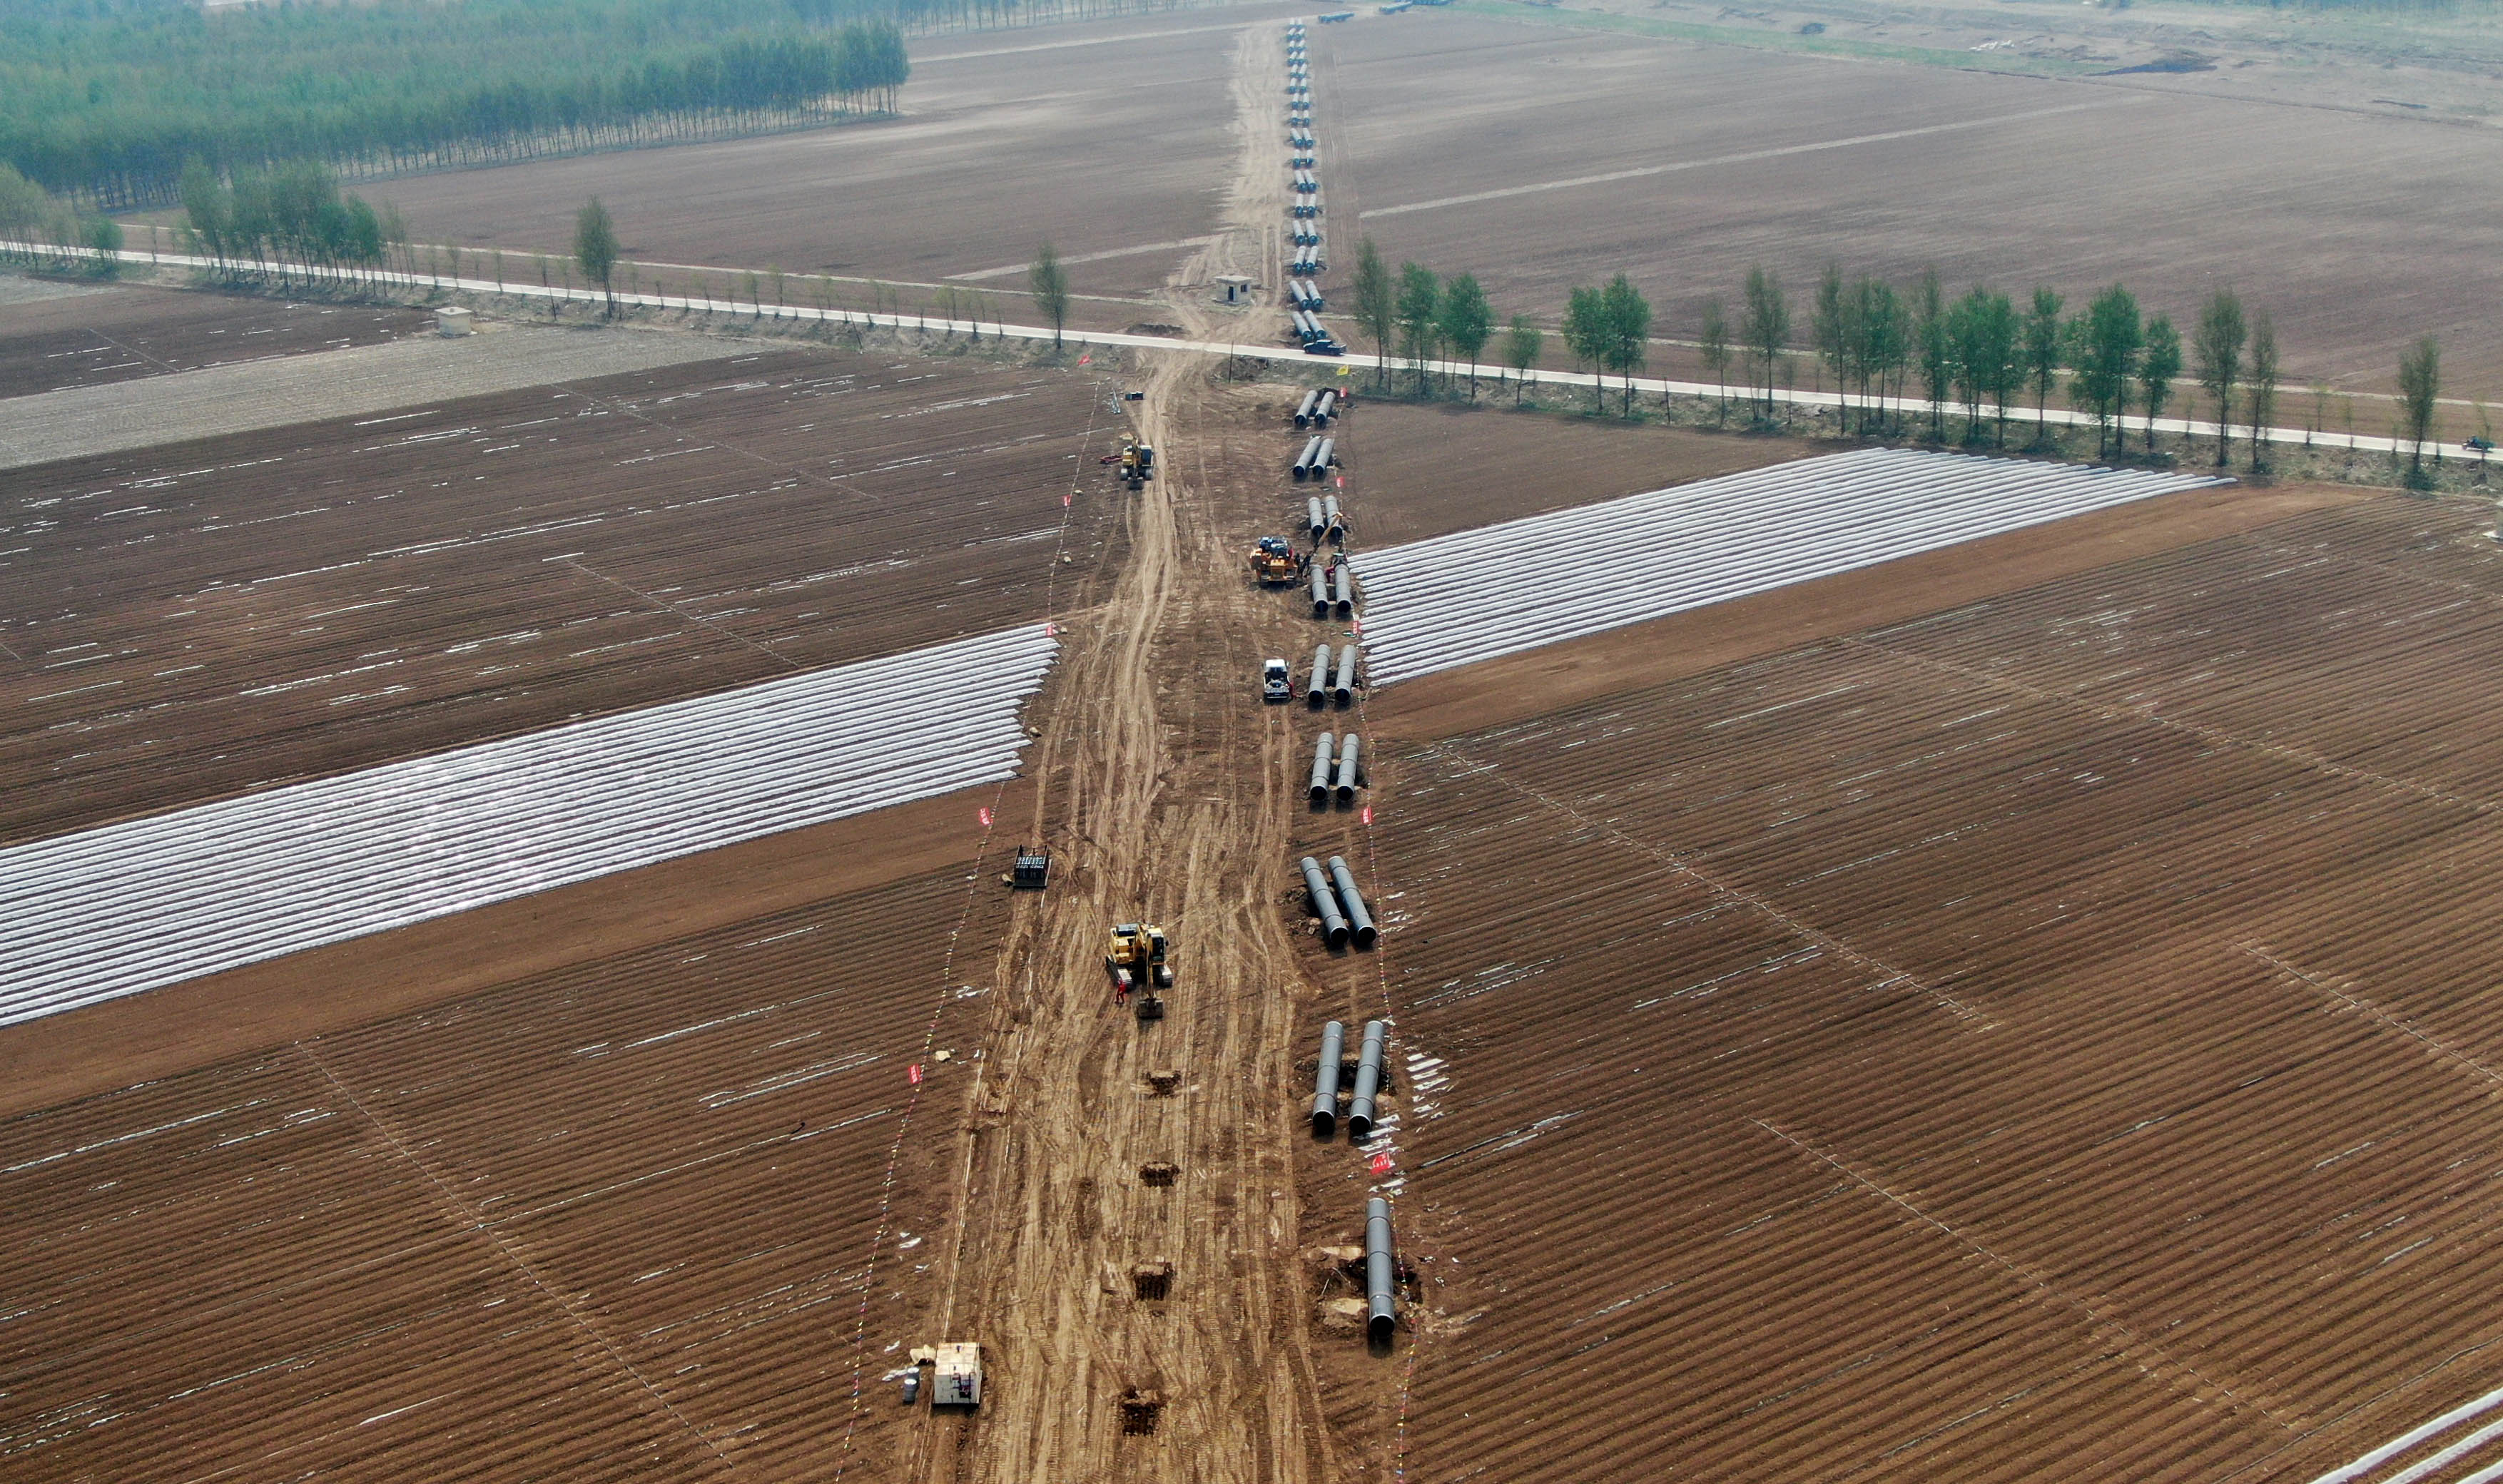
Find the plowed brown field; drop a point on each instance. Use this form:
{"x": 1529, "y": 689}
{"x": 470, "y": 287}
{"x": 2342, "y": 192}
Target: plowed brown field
{"x": 602, "y": 1223}
{"x": 106, "y": 334}
{"x": 195, "y": 621}
{"x": 1793, "y": 162}
{"x": 2046, "y": 1039}
{"x": 1097, "y": 139}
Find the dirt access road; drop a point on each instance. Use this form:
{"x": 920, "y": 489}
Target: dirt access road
{"x": 1163, "y": 778}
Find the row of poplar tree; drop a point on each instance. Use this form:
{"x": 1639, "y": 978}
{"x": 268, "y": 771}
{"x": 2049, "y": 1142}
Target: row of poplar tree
{"x": 1888, "y": 349}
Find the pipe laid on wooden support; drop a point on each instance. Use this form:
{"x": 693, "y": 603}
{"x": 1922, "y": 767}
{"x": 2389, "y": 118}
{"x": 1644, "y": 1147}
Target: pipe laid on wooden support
{"x": 1320, "y": 593}
{"x": 1304, "y": 408}
{"x": 1328, "y": 408}
{"x": 1380, "y": 1271}
{"x": 1324, "y": 903}
{"x": 1352, "y": 902}
{"x": 1327, "y": 455}
{"x": 1344, "y": 598}
{"x": 1304, "y": 464}
{"x": 1314, "y": 517}
{"x": 1325, "y": 1083}
{"x": 1319, "y": 690}
{"x": 1321, "y": 769}
{"x": 1347, "y": 769}
{"x": 1368, "y": 1081}
{"x": 1343, "y": 689}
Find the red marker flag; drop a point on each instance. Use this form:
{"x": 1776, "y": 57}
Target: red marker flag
{"x": 1083, "y": 360}
{"x": 986, "y": 820}
{"x": 912, "y": 1074}
{"x": 1381, "y": 1164}
{"x": 1368, "y": 813}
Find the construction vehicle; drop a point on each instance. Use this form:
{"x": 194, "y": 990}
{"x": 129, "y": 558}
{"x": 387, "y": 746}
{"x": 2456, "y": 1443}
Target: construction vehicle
{"x": 1138, "y": 463}
{"x": 1135, "y": 961}
{"x": 957, "y": 1375}
{"x": 1032, "y": 870}
{"x": 1275, "y": 562}
{"x": 1275, "y": 683}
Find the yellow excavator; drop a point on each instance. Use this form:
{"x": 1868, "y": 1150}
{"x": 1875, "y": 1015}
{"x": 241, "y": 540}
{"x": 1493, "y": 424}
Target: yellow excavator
{"x": 1135, "y": 961}
{"x": 1275, "y": 562}
{"x": 1138, "y": 463}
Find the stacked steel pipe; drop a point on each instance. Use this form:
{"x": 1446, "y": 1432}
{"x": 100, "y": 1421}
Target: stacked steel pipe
{"x": 1368, "y": 1081}
{"x": 1319, "y": 690}
{"x": 1360, "y": 929}
{"x": 1380, "y": 1305}
{"x": 1321, "y": 784}
{"x": 1334, "y": 925}
{"x": 1343, "y": 688}
{"x": 1325, "y": 1081}
{"x": 1348, "y": 768}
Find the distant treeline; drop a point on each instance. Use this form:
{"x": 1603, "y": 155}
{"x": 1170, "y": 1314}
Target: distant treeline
{"x": 110, "y": 99}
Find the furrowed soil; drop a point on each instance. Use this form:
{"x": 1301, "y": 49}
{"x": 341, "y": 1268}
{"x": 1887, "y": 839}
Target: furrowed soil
{"x": 605, "y": 1220}
{"x": 2015, "y": 1014}
{"x": 1452, "y": 140}
{"x": 88, "y": 335}
{"x": 197, "y": 621}
{"x": 1102, "y": 138}
{"x": 2043, "y": 1038}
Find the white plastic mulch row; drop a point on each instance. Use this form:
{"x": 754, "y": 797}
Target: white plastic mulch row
{"x": 151, "y": 902}
{"x": 1497, "y": 590}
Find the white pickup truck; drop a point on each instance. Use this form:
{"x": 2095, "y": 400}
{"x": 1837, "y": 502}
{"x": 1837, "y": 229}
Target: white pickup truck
{"x": 1274, "y": 684}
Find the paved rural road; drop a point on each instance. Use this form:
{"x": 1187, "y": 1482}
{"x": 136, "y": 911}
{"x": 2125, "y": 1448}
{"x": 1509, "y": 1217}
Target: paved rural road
{"x": 1256, "y": 268}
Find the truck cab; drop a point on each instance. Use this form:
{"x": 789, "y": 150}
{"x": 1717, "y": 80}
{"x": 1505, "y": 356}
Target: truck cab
{"x": 1274, "y": 684}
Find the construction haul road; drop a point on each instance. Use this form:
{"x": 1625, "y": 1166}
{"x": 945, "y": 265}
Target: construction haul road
{"x": 1166, "y": 778}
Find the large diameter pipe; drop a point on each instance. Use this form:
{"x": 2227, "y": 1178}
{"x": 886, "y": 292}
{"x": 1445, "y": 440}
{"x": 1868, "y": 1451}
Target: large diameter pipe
{"x": 1368, "y": 1081}
{"x": 1344, "y": 600}
{"x": 1347, "y": 769}
{"x": 1352, "y": 902}
{"x": 1327, "y": 457}
{"x": 1333, "y": 925}
{"x": 1328, "y": 408}
{"x": 1314, "y": 517}
{"x": 1319, "y": 690}
{"x": 1325, "y": 1082}
{"x": 1343, "y": 689}
{"x": 1321, "y": 769}
{"x": 1381, "y": 1304}
{"x": 1306, "y": 462}
{"x": 1304, "y": 408}
{"x": 1320, "y": 593}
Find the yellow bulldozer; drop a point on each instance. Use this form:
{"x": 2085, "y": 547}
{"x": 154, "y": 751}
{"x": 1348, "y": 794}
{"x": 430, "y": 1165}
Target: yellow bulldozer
{"x": 1275, "y": 562}
{"x": 1137, "y": 963}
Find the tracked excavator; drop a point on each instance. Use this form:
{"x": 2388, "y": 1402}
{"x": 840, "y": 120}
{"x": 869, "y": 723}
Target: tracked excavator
{"x": 1137, "y": 963}
{"x": 1275, "y": 562}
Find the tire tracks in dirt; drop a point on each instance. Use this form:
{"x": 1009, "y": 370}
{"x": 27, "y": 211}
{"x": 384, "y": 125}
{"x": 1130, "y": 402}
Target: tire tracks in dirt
{"x": 1161, "y": 790}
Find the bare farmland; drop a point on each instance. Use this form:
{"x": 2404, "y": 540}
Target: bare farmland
{"x": 195, "y": 621}
{"x": 2046, "y": 1037}
{"x": 89, "y": 337}
{"x": 1112, "y": 136}
{"x": 2012, "y": 181}
{"x": 599, "y": 1220}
